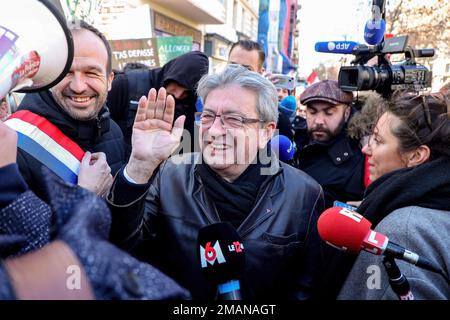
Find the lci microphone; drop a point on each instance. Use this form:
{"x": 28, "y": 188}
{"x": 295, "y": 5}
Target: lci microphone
{"x": 349, "y": 231}
{"x": 222, "y": 258}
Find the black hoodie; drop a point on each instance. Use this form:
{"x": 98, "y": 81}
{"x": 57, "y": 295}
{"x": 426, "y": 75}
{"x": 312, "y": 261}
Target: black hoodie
{"x": 186, "y": 70}
{"x": 97, "y": 135}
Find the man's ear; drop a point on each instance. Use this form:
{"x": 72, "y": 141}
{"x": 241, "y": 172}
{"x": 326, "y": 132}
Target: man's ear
{"x": 110, "y": 79}
{"x": 266, "y": 133}
{"x": 418, "y": 156}
{"x": 347, "y": 112}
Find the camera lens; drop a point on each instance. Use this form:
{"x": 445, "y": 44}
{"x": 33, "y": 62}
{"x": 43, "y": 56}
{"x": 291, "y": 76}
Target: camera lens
{"x": 348, "y": 78}
{"x": 357, "y": 78}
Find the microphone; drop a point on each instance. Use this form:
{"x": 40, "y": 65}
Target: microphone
{"x": 374, "y": 31}
{"x": 283, "y": 147}
{"x": 349, "y": 231}
{"x": 342, "y": 47}
{"x": 397, "y": 280}
{"x": 376, "y": 26}
{"x": 199, "y": 104}
{"x": 222, "y": 258}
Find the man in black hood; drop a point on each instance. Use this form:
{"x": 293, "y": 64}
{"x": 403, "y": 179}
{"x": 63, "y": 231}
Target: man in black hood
{"x": 179, "y": 77}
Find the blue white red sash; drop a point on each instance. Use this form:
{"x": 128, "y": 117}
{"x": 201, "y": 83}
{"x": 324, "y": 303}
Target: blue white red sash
{"x": 46, "y": 143}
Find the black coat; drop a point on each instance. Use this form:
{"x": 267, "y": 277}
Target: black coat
{"x": 98, "y": 135}
{"x": 24, "y": 218}
{"x": 186, "y": 70}
{"x": 338, "y": 166}
{"x": 283, "y": 248}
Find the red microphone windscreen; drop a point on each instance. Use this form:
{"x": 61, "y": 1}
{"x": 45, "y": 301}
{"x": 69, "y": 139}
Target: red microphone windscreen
{"x": 343, "y": 228}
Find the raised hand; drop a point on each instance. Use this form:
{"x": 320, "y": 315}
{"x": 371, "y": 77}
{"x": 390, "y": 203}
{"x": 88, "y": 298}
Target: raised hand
{"x": 154, "y": 137}
{"x": 272, "y": 77}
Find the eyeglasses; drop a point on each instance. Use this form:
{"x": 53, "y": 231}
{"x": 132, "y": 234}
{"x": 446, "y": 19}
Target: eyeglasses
{"x": 206, "y": 119}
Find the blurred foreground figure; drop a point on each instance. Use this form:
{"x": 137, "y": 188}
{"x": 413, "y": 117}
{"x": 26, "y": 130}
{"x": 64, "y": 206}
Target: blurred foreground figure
{"x": 79, "y": 243}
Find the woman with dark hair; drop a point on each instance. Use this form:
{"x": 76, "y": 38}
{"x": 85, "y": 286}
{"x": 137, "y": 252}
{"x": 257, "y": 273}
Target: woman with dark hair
{"x": 409, "y": 198}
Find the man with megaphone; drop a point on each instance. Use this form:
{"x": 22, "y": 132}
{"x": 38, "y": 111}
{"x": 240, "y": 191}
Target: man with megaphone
{"x": 75, "y": 260}
{"x": 68, "y": 128}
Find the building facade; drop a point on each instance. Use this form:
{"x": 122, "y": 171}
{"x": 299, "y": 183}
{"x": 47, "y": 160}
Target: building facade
{"x": 213, "y": 25}
{"x": 241, "y": 22}
{"x": 136, "y": 19}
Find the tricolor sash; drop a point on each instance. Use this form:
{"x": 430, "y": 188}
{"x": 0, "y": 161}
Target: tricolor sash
{"x": 47, "y": 144}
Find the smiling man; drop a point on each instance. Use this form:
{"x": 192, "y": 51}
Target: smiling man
{"x": 327, "y": 154}
{"x": 82, "y": 93}
{"x": 274, "y": 207}
{"x": 68, "y": 128}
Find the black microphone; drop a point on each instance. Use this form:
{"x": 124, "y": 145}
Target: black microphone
{"x": 397, "y": 279}
{"x": 222, "y": 258}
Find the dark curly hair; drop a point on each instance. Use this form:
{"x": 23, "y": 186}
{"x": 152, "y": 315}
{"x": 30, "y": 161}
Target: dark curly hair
{"x": 362, "y": 122}
{"x": 425, "y": 120}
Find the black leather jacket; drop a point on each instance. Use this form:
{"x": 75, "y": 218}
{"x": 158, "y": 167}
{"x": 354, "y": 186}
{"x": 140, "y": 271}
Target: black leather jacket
{"x": 283, "y": 248}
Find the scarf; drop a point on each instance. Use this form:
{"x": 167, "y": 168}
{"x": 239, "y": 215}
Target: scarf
{"x": 426, "y": 185}
{"x": 233, "y": 200}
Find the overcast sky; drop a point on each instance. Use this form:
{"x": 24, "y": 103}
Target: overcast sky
{"x": 325, "y": 20}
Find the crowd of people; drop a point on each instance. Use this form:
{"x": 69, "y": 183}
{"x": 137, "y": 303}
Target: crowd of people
{"x": 97, "y": 179}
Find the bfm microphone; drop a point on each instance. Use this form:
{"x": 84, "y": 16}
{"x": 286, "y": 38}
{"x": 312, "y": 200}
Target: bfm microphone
{"x": 349, "y": 231}
{"x": 374, "y": 31}
{"x": 341, "y": 47}
{"x": 376, "y": 26}
{"x": 283, "y": 147}
{"x": 222, "y": 258}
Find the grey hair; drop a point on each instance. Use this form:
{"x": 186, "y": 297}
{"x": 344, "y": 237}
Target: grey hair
{"x": 267, "y": 103}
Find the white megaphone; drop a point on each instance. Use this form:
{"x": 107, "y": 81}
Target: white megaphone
{"x": 36, "y": 46}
